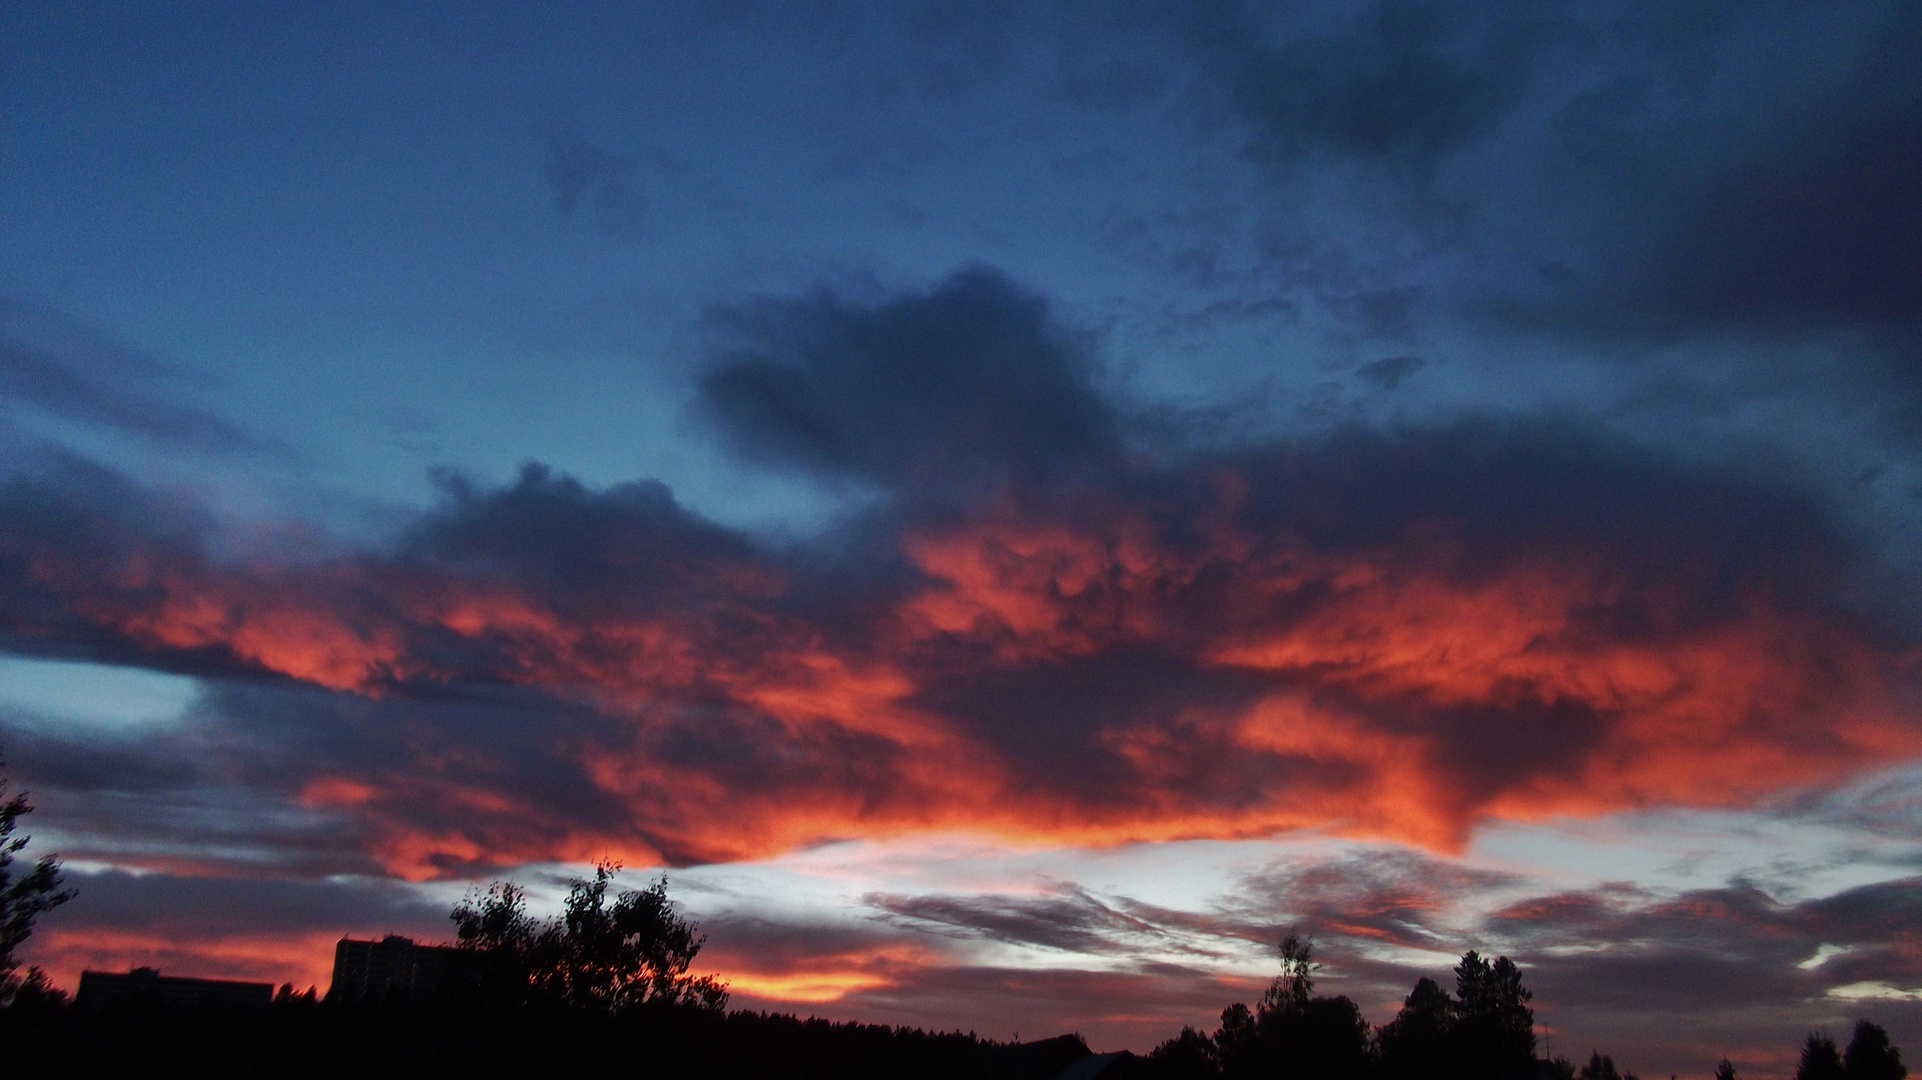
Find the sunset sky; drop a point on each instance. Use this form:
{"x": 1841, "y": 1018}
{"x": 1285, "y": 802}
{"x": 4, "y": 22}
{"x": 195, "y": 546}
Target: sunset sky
{"x": 1010, "y": 506}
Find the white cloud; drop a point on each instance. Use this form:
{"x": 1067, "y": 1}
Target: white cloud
{"x": 1873, "y": 991}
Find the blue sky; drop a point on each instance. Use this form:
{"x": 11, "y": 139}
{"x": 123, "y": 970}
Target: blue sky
{"x": 1008, "y": 459}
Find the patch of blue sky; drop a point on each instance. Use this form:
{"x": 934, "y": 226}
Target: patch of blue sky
{"x": 48, "y": 692}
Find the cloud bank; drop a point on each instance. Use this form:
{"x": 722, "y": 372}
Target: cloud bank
{"x": 1046, "y": 629}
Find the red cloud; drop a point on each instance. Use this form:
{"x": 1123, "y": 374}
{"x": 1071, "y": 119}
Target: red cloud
{"x": 1399, "y": 681}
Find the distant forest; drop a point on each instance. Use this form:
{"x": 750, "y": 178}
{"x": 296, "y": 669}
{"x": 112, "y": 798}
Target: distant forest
{"x": 604, "y": 989}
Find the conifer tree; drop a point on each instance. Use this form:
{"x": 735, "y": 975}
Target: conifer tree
{"x": 1494, "y": 1029}
{"x": 23, "y": 899}
{"x": 1820, "y": 1061}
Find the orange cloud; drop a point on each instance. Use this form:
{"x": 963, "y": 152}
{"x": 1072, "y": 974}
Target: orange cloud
{"x": 822, "y": 977}
{"x": 1403, "y": 684}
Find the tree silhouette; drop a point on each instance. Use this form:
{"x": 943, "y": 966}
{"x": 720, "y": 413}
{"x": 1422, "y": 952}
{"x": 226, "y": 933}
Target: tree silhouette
{"x": 1189, "y": 1054}
{"x": 1871, "y": 1057}
{"x": 1484, "y": 1031}
{"x": 635, "y": 951}
{"x": 1819, "y": 1059}
{"x": 505, "y": 944}
{"x": 1291, "y": 1033}
{"x": 597, "y": 956}
{"x": 24, "y": 900}
{"x": 1415, "y": 1044}
{"x": 1600, "y": 1067}
{"x": 1238, "y": 1042}
{"x": 1494, "y": 1029}
{"x": 1296, "y": 983}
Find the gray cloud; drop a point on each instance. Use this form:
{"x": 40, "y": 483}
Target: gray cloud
{"x": 514, "y": 636}
{"x": 1388, "y": 372}
{"x": 52, "y": 363}
{"x": 970, "y": 384}
{"x": 1397, "y": 84}
{"x": 598, "y": 184}
{"x": 1071, "y": 920}
{"x": 178, "y": 906}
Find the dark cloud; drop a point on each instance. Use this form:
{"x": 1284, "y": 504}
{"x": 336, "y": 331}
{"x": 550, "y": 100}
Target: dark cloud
{"x": 1393, "y": 633}
{"x": 1049, "y": 717}
{"x": 1609, "y": 179}
{"x": 91, "y": 516}
{"x": 170, "y": 905}
{"x": 1679, "y": 184}
{"x": 1390, "y": 634}
{"x": 1675, "y": 980}
{"x": 1071, "y": 919}
{"x": 1826, "y": 238}
{"x": 50, "y": 362}
{"x": 964, "y": 386}
{"x": 1888, "y": 805}
{"x": 1703, "y": 205}
{"x": 630, "y": 546}
{"x": 101, "y": 763}
{"x": 1737, "y": 944}
{"x": 1395, "y": 84}
{"x": 1388, "y": 372}
{"x": 198, "y": 798}
{"x": 740, "y": 940}
{"x": 589, "y": 180}
{"x": 1715, "y": 199}
{"x": 268, "y": 928}
{"x": 1742, "y": 966}
{"x": 1396, "y": 897}
{"x": 1513, "y": 486}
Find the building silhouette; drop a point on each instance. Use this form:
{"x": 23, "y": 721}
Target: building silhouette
{"x": 148, "y": 986}
{"x": 394, "y": 968}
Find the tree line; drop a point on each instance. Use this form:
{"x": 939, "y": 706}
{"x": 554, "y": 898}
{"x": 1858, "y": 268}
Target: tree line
{"x": 1485, "y": 1030}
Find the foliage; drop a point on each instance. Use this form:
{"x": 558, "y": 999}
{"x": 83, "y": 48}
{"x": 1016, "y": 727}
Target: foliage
{"x": 1416, "y": 1045}
{"x": 296, "y": 1039}
{"x": 1485, "y": 1031}
{"x": 36, "y": 994}
{"x": 598, "y": 956}
{"x": 24, "y": 899}
{"x": 1291, "y": 1033}
{"x": 1820, "y": 1061}
{"x": 1493, "y": 1024}
{"x": 1602, "y": 1067}
{"x": 1189, "y": 1054}
{"x": 1296, "y": 983}
{"x": 1871, "y": 1057}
